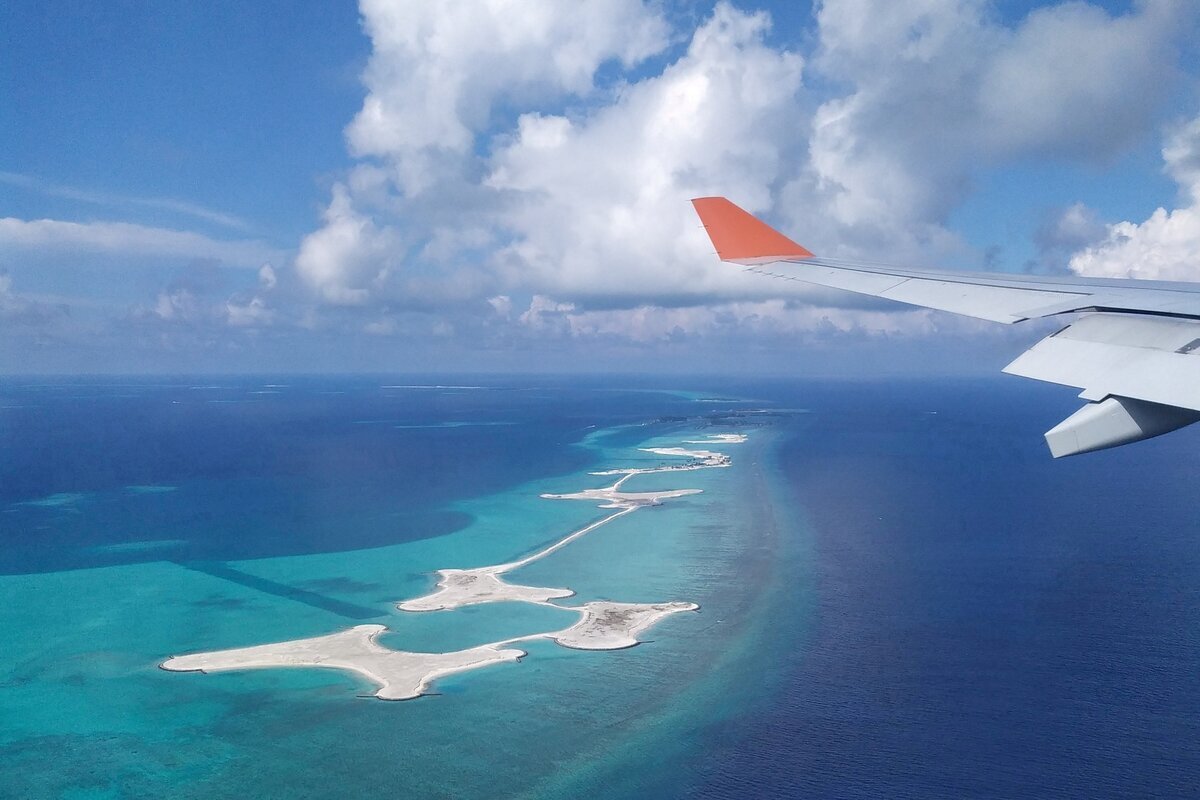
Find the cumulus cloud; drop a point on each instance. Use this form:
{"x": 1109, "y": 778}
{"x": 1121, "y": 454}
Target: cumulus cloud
{"x": 1062, "y": 233}
{"x": 267, "y": 277}
{"x": 16, "y": 308}
{"x": 1077, "y": 82}
{"x": 123, "y": 238}
{"x": 939, "y": 88}
{"x": 441, "y": 77}
{"x": 439, "y": 67}
{"x": 255, "y": 310}
{"x": 198, "y": 299}
{"x": 590, "y": 202}
{"x": 495, "y": 163}
{"x": 778, "y": 320}
{"x": 28, "y": 322}
{"x": 596, "y": 206}
{"x": 344, "y": 259}
{"x": 1167, "y": 245}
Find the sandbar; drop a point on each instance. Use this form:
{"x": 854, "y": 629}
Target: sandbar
{"x": 400, "y": 675}
{"x": 403, "y": 675}
{"x": 472, "y": 586}
{"x": 611, "y": 497}
{"x": 614, "y": 626}
{"x": 468, "y": 587}
{"x": 703, "y": 458}
{"x": 720, "y": 438}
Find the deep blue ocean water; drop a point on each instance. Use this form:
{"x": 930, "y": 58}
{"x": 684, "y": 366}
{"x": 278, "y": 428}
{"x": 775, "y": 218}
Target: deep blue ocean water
{"x": 988, "y": 622}
{"x": 902, "y": 594}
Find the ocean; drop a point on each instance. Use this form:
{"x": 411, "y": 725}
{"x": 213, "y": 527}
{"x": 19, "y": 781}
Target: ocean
{"x": 900, "y": 593}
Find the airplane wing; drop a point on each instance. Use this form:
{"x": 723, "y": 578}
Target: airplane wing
{"x": 1133, "y": 347}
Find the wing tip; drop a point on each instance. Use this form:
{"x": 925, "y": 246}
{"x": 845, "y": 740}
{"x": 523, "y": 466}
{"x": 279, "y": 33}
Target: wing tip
{"x": 742, "y": 238}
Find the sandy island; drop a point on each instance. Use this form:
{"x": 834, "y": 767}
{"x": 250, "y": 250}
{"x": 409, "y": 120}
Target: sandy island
{"x": 614, "y": 626}
{"x": 467, "y": 587}
{"x": 403, "y": 675}
{"x": 399, "y": 674}
{"x": 702, "y": 459}
{"x": 720, "y": 438}
{"x": 611, "y": 497}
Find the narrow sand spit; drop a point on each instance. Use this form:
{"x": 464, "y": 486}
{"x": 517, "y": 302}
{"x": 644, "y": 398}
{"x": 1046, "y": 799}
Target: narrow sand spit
{"x": 399, "y": 674}
{"x": 469, "y": 587}
{"x": 703, "y": 458}
{"x": 610, "y": 497}
{"x": 466, "y": 587}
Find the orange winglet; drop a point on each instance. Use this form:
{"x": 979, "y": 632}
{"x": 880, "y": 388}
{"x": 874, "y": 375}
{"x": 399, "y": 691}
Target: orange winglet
{"x": 741, "y": 237}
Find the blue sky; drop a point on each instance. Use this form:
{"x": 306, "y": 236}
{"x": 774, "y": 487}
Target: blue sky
{"x": 465, "y": 186}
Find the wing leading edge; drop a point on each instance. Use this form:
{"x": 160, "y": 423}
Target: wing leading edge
{"x": 1134, "y": 348}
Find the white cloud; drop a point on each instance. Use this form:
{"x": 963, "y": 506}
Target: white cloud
{"x": 10, "y": 303}
{"x": 180, "y": 304}
{"x": 492, "y": 166}
{"x": 1075, "y": 81}
{"x": 24, "y": 311}
{"x": 501, "y": 304}
{"x": 1074, "y": 227}
{"x": 598, "y": 205}
{"x": 1167, "y": 245}
{"x": 266, "y": 277}
{"x": 344, "y": 259}
{"x": 749, "y": 318}
{"x": 545, "y": 313}
{"x": 940, "y": 88}
{"x": 254, "y": 313}
{"x": 438, "y": 67}
{"x": 438, "y": 74}
{"x": 123, "y": 238}
{"x": 108, "y": 199}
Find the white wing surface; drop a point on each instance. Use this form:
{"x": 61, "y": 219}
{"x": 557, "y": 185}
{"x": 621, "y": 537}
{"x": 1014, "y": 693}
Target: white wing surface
{"x": 1133, "y": 347}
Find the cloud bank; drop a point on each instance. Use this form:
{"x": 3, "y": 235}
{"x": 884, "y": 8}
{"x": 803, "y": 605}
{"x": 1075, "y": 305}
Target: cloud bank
{"x": 519, "y": 174}
{"x": 546, "y": 165}
{"x": 1167, "y": 245}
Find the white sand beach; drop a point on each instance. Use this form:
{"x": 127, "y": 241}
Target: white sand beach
{"x": 610, "y": 497}
{"x": 467, "y": 587}
{"x": 614, "y": 626}
{"x": 404, "y": 675}
{"x": 720, "y": 438}
{"x": 400, "y": 675}
{"x": 705, "y": 458}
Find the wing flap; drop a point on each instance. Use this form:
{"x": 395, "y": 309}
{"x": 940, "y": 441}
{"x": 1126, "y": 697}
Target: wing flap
{"x": 996, "y": 303}
{"x": 1154, "y": 359}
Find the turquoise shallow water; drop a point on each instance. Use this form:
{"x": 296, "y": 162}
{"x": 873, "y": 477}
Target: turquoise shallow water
{"x": 86, "y": 712}
{"x": 964, "y": 616}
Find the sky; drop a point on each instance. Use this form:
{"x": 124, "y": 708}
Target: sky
{"x": 503, "y": 185}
